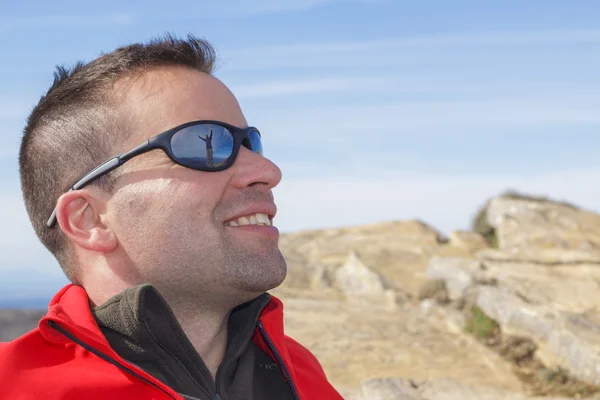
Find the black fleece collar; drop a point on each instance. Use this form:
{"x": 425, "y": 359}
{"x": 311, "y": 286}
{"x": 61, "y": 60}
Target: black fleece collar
{"x": 141, "y": 327}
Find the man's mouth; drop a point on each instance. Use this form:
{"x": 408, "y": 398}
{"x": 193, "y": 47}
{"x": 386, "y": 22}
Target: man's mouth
{"x": 251, "y": 219}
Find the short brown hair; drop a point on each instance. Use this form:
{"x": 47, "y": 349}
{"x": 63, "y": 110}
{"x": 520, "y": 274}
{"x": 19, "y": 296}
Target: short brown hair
{"x": 76, "y": 124}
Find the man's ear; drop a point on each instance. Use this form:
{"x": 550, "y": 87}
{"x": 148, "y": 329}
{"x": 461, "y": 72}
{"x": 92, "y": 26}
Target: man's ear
{"x": 79, "y": 213}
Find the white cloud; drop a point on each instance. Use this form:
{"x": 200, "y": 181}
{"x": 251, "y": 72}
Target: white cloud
{"x": 17, "y": 23}
{"x": 243, "y": 8}
{"x": 357, "y": 85}
{"x": 292, "y": 87}
{"x": 287, "y": 127}
{"x": 215, "y": 9}
{"x": 450, "y": 39}
{"x": 407, "y": 50}
{"x": 459, "y": 89}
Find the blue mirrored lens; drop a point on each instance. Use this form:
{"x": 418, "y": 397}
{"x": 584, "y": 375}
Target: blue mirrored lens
{"x": 255, "y": 142}
{"x": 205, "y": 145}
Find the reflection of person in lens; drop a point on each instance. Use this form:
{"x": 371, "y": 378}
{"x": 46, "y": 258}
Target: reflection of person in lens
{"x": 208, "y": 140}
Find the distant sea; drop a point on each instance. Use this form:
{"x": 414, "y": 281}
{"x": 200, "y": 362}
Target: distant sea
{"x": 28, "y": 288}
{"x": 33, "y": 303}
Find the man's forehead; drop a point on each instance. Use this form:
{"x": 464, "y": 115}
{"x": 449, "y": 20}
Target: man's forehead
{"x": 162, "y": 98}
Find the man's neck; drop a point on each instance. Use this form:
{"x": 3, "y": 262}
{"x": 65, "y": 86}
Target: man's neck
{"x": 204, "y": 321}
{"x": 205, "y": 326}
{"x": 207, "y": 330}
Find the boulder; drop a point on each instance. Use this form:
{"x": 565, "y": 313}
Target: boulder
{"x": 531, "y": 229}
{"x": 355, "y": 278}
{"x": 547, "y": 267}
{"x": 458, "y": 273}
{"x": 434, "y": 289}
{"x": 468, "y": 240}
{"x": 361, "y": 285}
{"x": 389, "y": 389}
{"x": 548, "y": 257}
{"x": 450, "y": 389}
{"x": 437, "y": 389}
{"x": 568, "y": 340}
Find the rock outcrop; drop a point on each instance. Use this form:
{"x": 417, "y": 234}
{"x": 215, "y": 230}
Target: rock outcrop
{"x": 357, "y": 342}
{"x": 440, "y": 389}
{"x": 14, "y": 323}
{"x": 534, "y": 278}
{"x": 544, "y": 232}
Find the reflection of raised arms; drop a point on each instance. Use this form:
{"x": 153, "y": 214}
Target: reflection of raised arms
{"x": 207, "y": 138}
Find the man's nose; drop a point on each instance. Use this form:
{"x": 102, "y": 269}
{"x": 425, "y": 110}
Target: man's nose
{"x": 253, "y": 169}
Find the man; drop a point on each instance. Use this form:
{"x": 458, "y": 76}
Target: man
{"x": 170, "y": 257}
{"x": 208, "y": 142}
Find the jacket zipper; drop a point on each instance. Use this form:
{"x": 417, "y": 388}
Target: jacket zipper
{"x": 107, "y": 358}
{"x": 286, "y": 373}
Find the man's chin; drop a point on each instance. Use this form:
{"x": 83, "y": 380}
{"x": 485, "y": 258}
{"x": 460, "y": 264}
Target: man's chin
{"x": 267, "y": 280}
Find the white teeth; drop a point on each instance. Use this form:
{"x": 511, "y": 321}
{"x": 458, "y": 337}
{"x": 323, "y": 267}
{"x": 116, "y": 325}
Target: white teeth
{"x": 263, "y": 219}
{"x": 243, "y": 221}
{"x": 254, "y": 219}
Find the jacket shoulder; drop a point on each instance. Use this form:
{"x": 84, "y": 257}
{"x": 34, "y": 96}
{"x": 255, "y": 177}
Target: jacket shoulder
{"x": 313, "y": 382}
{"x": 26, "y": 349}
{"x": 299, "y": 353}
{"x": 20, "y": 344}
{"x": 18, "y": 358}
{"x": 33, "y": 368}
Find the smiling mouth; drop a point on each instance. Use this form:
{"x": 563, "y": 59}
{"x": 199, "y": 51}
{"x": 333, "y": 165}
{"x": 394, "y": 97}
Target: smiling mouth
{"x": 259, "y": 219}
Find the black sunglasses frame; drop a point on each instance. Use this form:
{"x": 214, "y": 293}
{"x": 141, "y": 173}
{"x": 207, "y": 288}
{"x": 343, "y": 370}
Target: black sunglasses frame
{"x": 162, "y": 141}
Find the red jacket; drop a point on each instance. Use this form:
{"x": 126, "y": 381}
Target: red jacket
{"x": 67, "y": 357}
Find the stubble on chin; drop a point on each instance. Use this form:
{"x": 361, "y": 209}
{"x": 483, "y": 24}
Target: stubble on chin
{"x": 257, "y": 273}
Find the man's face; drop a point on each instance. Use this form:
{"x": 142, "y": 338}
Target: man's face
{"x": 172, "y": 222}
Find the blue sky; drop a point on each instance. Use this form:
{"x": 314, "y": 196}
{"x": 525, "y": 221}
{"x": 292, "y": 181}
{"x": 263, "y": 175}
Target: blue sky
{"x": 375, "y": 110}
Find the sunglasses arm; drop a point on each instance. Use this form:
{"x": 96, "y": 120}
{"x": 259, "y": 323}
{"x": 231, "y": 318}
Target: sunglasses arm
{"x": 100, "y": 170}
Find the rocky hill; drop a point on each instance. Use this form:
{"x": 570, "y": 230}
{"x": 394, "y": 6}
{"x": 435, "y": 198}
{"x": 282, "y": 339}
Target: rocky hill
{"x": 398, "y": 311}
{"x": 508, "y": 311}
{"x": 14, "y": 323}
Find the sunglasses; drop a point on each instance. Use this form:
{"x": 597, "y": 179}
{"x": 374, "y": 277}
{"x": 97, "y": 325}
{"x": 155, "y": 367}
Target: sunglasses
{"x": 201, "y": 145}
